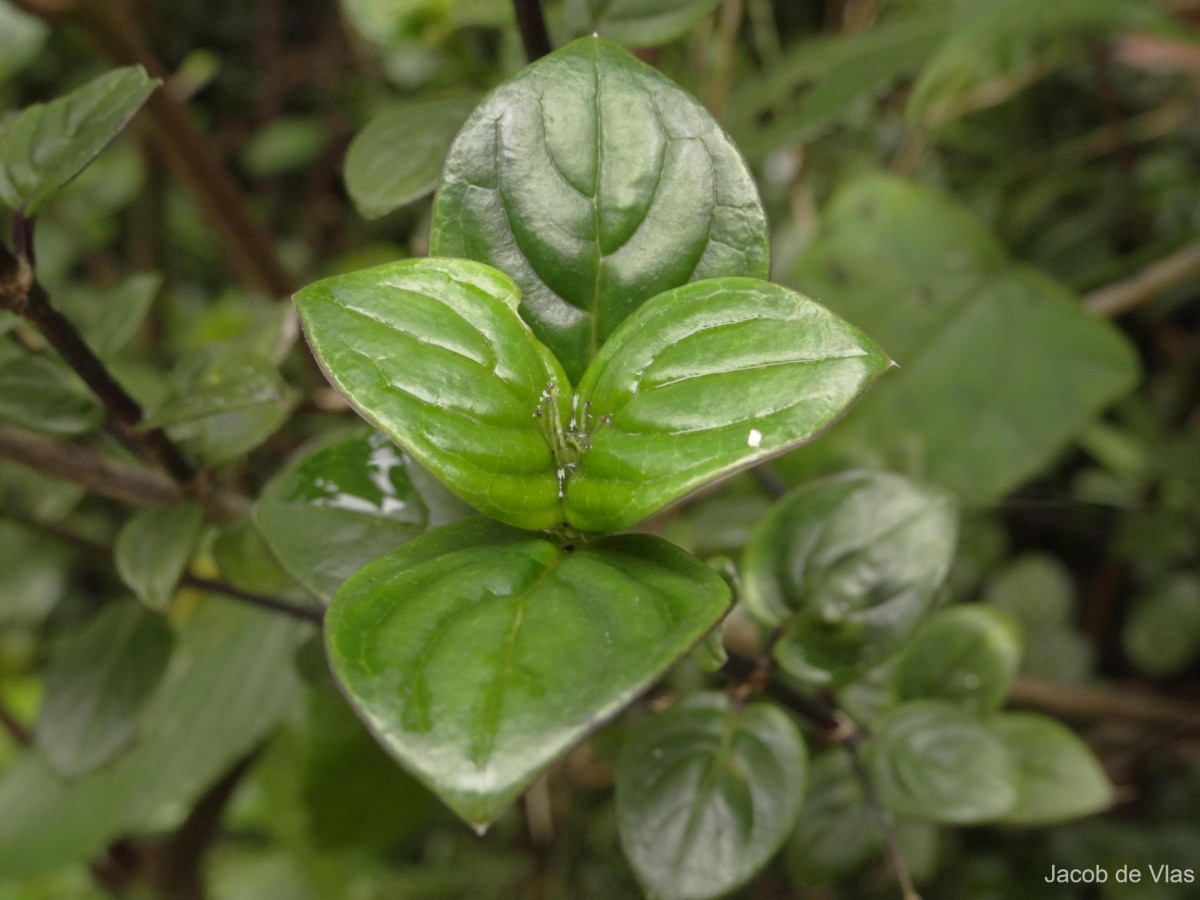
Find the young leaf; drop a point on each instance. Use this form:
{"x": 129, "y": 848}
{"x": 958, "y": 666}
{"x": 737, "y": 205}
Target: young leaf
{"x": 933, "y": 761}
{"x": 478, "y": 654}
{"x": 396, "y": 158}
{"x": 702, "y": 381}
{"x": 154, "y": 548}
{"x": 846, "y": 566}
{"x": 1057, "y": 776}
{"x": 596, "y": 184}
{"x": 349, "y": 501}
{"x": 966, "y": 655}
{"x": 97, "y": 683}
{"x": 433, "y": 352}
{"x": 48, "y": 144}
{"x": 639, "y": 23}
{"x": 707, "y": 794}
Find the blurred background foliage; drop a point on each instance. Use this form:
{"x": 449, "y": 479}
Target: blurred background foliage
{"x": 1005, "y": 195}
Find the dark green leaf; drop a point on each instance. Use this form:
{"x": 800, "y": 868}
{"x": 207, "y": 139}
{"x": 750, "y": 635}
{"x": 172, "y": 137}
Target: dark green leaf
{"x": 433, "y": 352}
{"x": 223, "y": 402}
{"x": 478, "y": 654}
{"x": 396, "y": 158}
{"x": 702, "y": 381}
{"x": 349, "y": 501}
{"x": 977, "y": 337}
{"x": 245, "y": 560}
{"x": 48, "y": 144}
{"x": 41, "y": 393}
{"x": 97, "y": 684}
{"x": 596, "y": 184}
{"x": 1162, "y": 635}
{"x": 1057, "y": 776}
{"x": 966, "y": 655}
{"x": 932, "y": 761}
{"x": 108, "y": 318}
{"x": 707, "y": 794}
{"x": 33, "y": 576}
{"x": 639, "y": 23}
{"x": 154, "y": 548}
{"x": 838, "y": 830}
{"x": 846, "y": 566}
{"x": 227, "y": 686}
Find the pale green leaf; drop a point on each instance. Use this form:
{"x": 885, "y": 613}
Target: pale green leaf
{"x": 154, "y": 548}
{"x": 41, "y": 393}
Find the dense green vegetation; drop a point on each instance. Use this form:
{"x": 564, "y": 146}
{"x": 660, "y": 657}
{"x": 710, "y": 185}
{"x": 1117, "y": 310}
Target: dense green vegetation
{"x": 648, "y": 573}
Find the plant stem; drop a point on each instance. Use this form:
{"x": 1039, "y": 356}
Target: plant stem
{"x": 306, "y": 612}
{"x": 886, "y": 825}
{"x": 18, "y": 732}
{"x": 532, "y": 25}
{"x": 1152, "y": 281}
{"x": 1073, "y": 702}
{"x": 20, "y": 293}
{"x": 741, "y": 667}
{"x": 83, "y": 467}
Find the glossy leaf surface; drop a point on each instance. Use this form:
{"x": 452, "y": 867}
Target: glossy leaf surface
{"x": 978, "y": 338}
{"x": 1057, "y": 775}
{"x": 48, "y": 144}
{"x": 97, "y": 684}
{"x": 396, "y": 158}
{"x": 478, "y": 654}
{"x": 702, "y": 381}
{"x": 846, "y": 566}
{"x": 966, "y": 655}
{"x": 706, "y": 795}
{"x": 933, "y": 761}
{"x": 433, "y": 352}
{"x": 638, "y": 23}
{"x": 837, "y": 830}
{"x": 596, "y": 184}
{"x": 154, "y": 548}
{"x": 345, "y": 503}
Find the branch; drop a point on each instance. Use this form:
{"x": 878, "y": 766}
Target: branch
{"x": 96, "y": 473}
{"x": 1073, "y": 702}
{"x": 21, "y": 294}
{"x": 17, "y": 731}
{"x": 306, "y": 613}
{"x": 532, "y": 25}
{"x": 1157, "y": 278}
{"x": 186, "y": 151}
{"x": 745, "y": 669}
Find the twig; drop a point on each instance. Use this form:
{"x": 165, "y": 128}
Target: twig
{"x": 20, "y": 293}
{"x": 532, "y": 25}
{"x": 886, "y": 825}
{"x": 306, "y": 613}
{"x": 1158, "y": 277}
{"x": 18, "y": 732}
{"x": 743, "y": 668}
{"x": 96, "y": 473}
{"x": 1073, "y": 702}
{"x": 185, "y": 150}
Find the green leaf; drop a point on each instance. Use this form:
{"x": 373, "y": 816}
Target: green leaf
{"x": 706, "y": 794}
{"x": 97, "y": 685}
{"x": 1162, "y": 636}
{"x": 108, "y": 318}
{"x": 700, "y": 382}
{"x": 596, "y": 184}
{"x": 433, "y": 353}
{"x": 977, "y": 337}
{"x": 347, "y": 502}
{"x": 639, "y": 23}
{"x": 224, "y": 401}
{"x": 933, "y": 761}
{"x": 154, "y": 548}
{"x": 285, "y": 144}
{"x": 838, "y": 830}
{"x": 965, "y": 655}
{"x": 226, "y": 688}
{"x": 478, "y": 655}
{"x": 1057, "y": 775}
{"x": 21, "y": 37}
{"x": 48, "y": 144}
{"x": 846, "y": 566}
{"x": 397, "y": 157}
{"x": 40, "y": 393}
